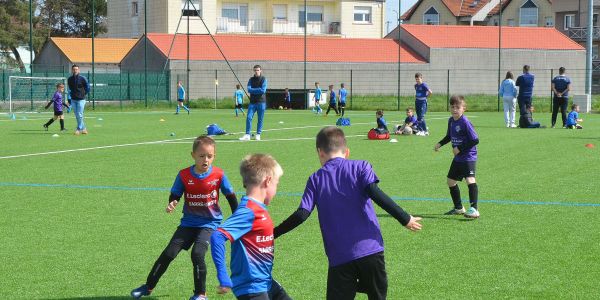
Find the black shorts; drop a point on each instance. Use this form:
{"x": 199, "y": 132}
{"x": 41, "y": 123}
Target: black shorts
{"x": 185, "y": 237}
{"x": 238, "y": 106}
{"x": 459, "y": 170}
{"x": 179, "y": 100}
{"x": 364, "y": 275}
{"x": 58, "y": 113}
{"x": 342, "y": 105}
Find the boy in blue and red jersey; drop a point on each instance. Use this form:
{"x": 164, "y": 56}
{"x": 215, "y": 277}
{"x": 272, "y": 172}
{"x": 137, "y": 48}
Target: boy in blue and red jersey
{"x": 57, "y": 100}
{"x": 342, "y": 191}
{"x": 250, "y": 230}
{"x": 200, "y": 185}
{"x": 464, "y": 147}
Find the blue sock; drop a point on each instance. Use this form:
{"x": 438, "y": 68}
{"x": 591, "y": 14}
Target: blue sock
{"x": 177, "y": 111}
{"x": 236, "y": 113}
{"x": 187, "y": 109}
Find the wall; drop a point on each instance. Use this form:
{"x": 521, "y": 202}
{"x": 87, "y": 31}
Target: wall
{"x": 351, "y": 29}
{"x": 209, "y": 14}
{"x": 52, "y": 57}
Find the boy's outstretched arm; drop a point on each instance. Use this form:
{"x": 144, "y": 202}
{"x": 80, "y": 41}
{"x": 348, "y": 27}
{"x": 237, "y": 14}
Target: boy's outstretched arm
{"x": 293, "y": 221}
{"x": 385, "y": 202}
{"x": 217, "y": 250}
{"x": 228, "y": 191}
{"x": 233, "y": 203}
{"x": 444, "y": 140}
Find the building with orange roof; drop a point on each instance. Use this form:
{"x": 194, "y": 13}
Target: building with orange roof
{"x": 61, "y": 53}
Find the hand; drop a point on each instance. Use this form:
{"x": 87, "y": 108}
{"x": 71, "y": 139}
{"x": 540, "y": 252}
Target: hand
{"x": 413, "y": 224}
{"x": 221, "y": 290}
{"x": 455, "y": 151}
{"x": 171, "y": 206}
{"x": 437, "y": 147}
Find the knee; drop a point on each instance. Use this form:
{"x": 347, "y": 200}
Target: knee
{"x": 198, "y": 256}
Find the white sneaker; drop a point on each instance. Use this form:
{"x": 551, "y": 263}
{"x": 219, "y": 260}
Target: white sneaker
{"x": 257, "y": 137}
{"x": 472, "y": 213}
{"x": 246, "y": 137}
{"x": 507, "y": 125}
{"x": 427, "y": 133}
{"x": 420, "y": 133}
{"x": 513, "y": 125}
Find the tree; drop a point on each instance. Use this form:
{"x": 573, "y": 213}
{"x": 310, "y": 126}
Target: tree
{"x": 73, "y": 18}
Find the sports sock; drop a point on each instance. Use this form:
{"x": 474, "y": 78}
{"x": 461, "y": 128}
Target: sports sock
{"x": 343, "y": 110}
{"x": 62, "y": 124}
{"x": 49, "y": 122}
{"x": 455, "y": 194}
{"x": 187, "y": 109}
{"x": 177, "y": 110}
{"x": 473, "y": 194}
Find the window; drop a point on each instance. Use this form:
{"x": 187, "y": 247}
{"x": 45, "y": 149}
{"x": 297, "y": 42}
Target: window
{"x": 314, "y": 14}
{"x": 528, "y": 15}
{"x": 362, "y": 14}
{"x": 595, "y": 20}
{"x": 187, "y": 8}
{"x": 569, "y": 21}
{"x": 279, "y": 12}
{"x": 595, "y": 52}
{"x": 235, "y": 11}
{"x": 549, "y": 22}
{"x": 134, "y": 9}
{"x": 431, "y": 17}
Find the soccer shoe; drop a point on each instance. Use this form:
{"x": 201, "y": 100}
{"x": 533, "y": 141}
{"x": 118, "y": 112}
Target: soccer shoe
{"x": 472, "y": 213}
{"x": 188, "y": 111}
{"x": 63, "y": 130}
{"x": 507, "y": 125}
{"x": 141, "y": 291}
{"x": 84, "y": 131}
{"x": 513, "y": 125}
{"x": 427, "y": 133}
{"x": 199, "y": 297}
{"x": 257, "y": 137}
{"x": 455, "y": 211}
{"x": 45, "y": 127}
{"x": 246, "y": 137}
{"x": 77, "y": 132}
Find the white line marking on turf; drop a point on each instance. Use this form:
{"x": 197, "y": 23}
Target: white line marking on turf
{"x": 270, "y": 140}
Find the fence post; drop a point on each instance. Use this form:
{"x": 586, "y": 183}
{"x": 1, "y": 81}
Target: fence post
{"x": 216, "y": 87}
{"x": 551, "y": 92}
{"x": 448, "y": 90}
{"x": 168, "y": 87}
{"x": 351, "y": 80}
{"x": 120, "y": 87}
{"x": 128, "y": 86}
{"x": 3, "y": 85}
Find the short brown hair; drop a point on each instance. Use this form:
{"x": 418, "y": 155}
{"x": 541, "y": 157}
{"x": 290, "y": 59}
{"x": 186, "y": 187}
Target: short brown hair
{"x": 257, "y": 67}
{"x": 331, "y": 139}
{"x": 458, "y": 100}
{"x": 59, "y": 85}
{"x": 574, "y": 106}
{"x": 418, "y": 75}
{"x": 409, "y": 109}
{"x": 254, "y": 168}
{"x": 379, "y": 112}
{"x": 203, "y": 140}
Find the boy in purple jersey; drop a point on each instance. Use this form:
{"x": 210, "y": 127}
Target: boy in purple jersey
{"x": 410, "y": 123}
{"x": 464, "y": 146}
{"x": 250, "y": 230}
{"x": 200, "y": 185}
{"x": 342, "y": 191}
{"x": 57, "y": 100}
{"x": 422, "y": 92}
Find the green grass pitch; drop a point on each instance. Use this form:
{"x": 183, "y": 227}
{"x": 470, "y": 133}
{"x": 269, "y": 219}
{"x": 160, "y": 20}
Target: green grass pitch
{"x": 89, "y": 223}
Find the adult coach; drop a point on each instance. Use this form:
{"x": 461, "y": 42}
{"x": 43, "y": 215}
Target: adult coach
{"x": 525, "y": 84}
{"x": 79, "y": 87}
{"x": 561, "y": 85}
{"x": 257, "y": 87}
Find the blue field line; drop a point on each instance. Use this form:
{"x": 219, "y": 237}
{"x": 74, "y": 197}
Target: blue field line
{"x": 292, "y": 194}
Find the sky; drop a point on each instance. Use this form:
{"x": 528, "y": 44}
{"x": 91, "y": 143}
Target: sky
{"x": 390, "y": 15}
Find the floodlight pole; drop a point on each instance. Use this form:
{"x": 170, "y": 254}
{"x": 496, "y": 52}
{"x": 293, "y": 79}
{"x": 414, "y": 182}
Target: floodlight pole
{"x": 31, "y": 50}
{"x": 399, "y": 47}
{"x": 499, "y": 52}
{"x": 145, "y": 54}
{"x": 305, "y": 50}
{"x": 187, "y": 71}
{"x": 588, "y": 57}
{"x": 93, "y": 57}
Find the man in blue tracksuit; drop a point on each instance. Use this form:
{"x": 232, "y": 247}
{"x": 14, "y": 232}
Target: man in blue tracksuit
{"x": 525, "y": 84}
{"x": 257, "y": 88}
{"x": 79, "y": 87}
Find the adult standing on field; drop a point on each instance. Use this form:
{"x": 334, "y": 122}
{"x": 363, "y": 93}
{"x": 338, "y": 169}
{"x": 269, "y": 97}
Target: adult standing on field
{"x": 525, "y": 84}
{"x": 561, "y": 85}
{"x": 79, "y": 87}
{"x": 257, "y": 88}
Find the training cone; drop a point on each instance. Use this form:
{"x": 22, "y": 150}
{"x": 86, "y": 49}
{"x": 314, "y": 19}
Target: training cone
{"x": 55, "y": 135}
{"x": 162, "y": 120}
{"x": 280, "y": 122}
{"x": 100, "y": 119}
{"x": 589, "y": 146}
{"x": 172, "y": 134}
{"x": 393, "y": 141}
{"x": 13, "y": 117}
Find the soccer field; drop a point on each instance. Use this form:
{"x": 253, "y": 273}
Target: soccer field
{"x": 83, "y": 216}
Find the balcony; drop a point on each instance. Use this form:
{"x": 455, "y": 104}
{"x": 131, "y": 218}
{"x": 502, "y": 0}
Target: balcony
{"x": 276, "y": 26}
{"x": 580, "y": 33}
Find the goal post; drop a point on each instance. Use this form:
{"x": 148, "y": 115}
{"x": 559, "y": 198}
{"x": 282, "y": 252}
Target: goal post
{"x": 24, "y": 91}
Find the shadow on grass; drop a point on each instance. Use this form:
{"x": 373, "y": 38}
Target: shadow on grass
{"x": 106, "y": 298}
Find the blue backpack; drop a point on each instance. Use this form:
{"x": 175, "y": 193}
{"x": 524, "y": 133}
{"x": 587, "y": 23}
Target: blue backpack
{"x": 214, "y": 129}
{"x": 343, "y": 122}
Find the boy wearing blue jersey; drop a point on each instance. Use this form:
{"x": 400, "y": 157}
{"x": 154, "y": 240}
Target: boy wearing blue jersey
{"x": 200, "y": 185}
{"x": 181, "y": 98}
{"x": 239, "y": 100}
{"x": 381, "y": 123}
{"x": 57, "y": 100}
{"x": 464, "y": 147}
{"x": 332, "y": 101}
{"x": 342, "y": 103}
{"x": 573, "y": 118}
{"x": 410, "y": 123}
{"x": 422, "y": 92}
{"x": 250, "y": 231}
{"x": 317, "y": 98}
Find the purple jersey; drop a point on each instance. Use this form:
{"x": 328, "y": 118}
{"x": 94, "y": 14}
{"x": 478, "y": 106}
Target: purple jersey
{"x": 58, "y": 102}
{"x": 411, "y": 119}
{"x": 421, "y": 91}
{"x": 461, "y": 131}
{"x": 346, "y": 215}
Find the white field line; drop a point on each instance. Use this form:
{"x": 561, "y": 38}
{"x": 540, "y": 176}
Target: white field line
{"x": 271, "y": 140}
{"x": 38, "y": 118}
{"x": 156, "y": 142}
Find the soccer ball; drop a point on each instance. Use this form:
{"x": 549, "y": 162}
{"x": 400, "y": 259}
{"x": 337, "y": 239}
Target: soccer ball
{"x": 407, "y": 130}
{"x": 280, "y": 107}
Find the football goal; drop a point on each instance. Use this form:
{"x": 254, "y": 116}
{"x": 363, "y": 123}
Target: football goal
{"x": 31, "y": 93}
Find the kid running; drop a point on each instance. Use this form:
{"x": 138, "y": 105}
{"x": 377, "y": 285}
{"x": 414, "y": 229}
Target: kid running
{"x": 57, "y": 100}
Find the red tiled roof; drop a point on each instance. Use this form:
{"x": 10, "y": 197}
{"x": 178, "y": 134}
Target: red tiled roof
{"x": 284, "y": 48}
{"x": 459, "y": 36}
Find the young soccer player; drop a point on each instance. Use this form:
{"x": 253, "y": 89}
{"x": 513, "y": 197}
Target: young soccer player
{"x": 57, "y": 100}
{"x": 287, "y": 99}
{"x": 332, "y": 101}
{"x": 573, "y": 118}
{"x": 181, "y": 98}
{"x": 317, "y": 98}
{"x": 381, "y": 123}
{"x": 250, "y": 230}
{"x": 342, "y": 103}
{"x": 422, "y": 92}
{"x": 464, "y": 146}
{"x": 409, "y": 125}
{"x": 526, "y": 119}
{"x": 351, "y": 233}
{"x": 200, "y": 185}
{"x": 239, "y": 100}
